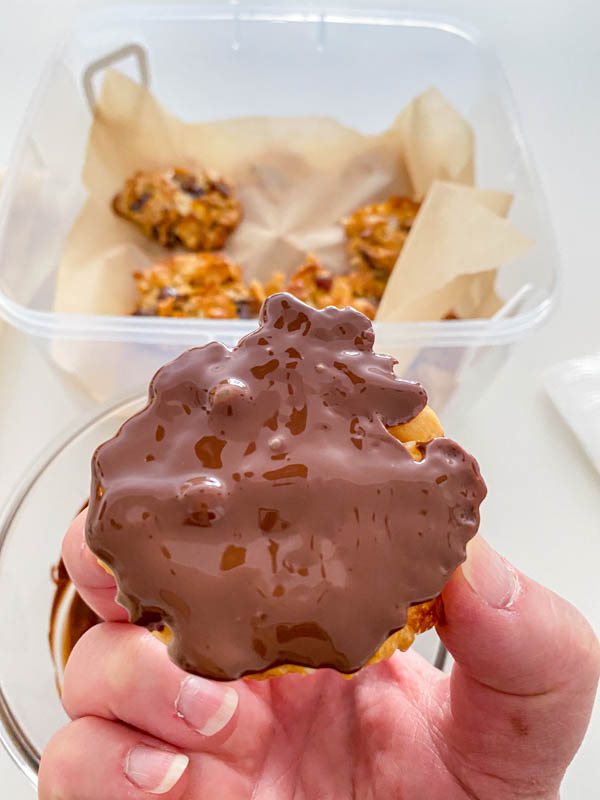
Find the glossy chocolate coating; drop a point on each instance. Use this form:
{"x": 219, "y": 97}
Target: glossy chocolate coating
{"x": 260, "y": 508}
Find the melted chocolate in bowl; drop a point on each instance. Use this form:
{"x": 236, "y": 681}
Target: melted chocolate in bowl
{"x": 63, "y": 635}
{"x": 259, "y": 507}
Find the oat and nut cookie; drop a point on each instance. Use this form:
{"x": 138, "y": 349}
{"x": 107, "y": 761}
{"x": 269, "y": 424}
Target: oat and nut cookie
{"x": 180, "y": 208}
{"x": 319, "y": 288}
{"x": 258, "y": 515}
{"x": 196, "y": 285}
{"x": 376, "y": 234}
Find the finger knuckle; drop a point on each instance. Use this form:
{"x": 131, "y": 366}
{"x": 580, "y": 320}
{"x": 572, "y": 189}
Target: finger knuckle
{"x": 109, "y": 656}
{"x": 56, "y": 774}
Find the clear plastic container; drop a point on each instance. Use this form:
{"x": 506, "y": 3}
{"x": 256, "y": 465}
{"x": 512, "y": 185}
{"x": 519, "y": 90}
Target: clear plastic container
{"x": 225, "y": 61}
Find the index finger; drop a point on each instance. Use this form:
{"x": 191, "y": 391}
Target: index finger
{"x": 95, "y": 585}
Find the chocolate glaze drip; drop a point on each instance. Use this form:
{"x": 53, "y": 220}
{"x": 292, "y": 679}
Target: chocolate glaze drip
{"x": 260, "y": 508}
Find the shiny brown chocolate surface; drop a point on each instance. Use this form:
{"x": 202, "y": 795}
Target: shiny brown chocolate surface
{"x": 259, "y": 507}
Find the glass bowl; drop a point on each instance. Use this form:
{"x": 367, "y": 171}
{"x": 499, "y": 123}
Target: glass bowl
{"x": 31, "y": 530}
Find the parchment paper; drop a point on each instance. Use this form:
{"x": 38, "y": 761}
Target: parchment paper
{"x": 296, "y": 178}
{"x": 458, "y": 238}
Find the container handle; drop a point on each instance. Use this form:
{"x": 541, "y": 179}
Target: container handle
{"x": 133, "y": 49}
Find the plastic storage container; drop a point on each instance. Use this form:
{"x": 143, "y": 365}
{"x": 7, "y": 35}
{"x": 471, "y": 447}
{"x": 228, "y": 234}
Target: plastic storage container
{"x": 216, "y": 62}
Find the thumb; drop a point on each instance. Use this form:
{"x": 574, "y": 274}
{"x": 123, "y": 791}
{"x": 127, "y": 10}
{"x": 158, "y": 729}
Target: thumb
{"x": 524, "y": 679}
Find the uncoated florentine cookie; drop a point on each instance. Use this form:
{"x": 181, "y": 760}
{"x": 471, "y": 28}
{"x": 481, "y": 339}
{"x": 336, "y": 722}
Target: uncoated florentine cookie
{"x": 180, "y": 208}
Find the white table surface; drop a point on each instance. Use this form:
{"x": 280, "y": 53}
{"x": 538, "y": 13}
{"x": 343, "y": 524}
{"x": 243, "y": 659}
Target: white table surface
{"x": 543, "y": 510}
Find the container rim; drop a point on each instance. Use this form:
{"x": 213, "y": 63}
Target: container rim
{"x": 163, "y": 330}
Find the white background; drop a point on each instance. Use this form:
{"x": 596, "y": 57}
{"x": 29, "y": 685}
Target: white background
{"x": 543, "y": 510}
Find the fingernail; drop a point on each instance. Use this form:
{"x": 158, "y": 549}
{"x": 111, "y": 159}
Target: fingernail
{"x": 153, "y": 770}
{"x": 206, "y": 706}
{"x": 489, "y": 575}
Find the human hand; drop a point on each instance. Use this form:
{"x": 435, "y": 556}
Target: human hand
{"x": 505, "y": 724}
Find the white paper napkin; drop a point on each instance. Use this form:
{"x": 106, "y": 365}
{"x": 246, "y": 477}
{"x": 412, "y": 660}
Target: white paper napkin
{"x": 574, "y": 388}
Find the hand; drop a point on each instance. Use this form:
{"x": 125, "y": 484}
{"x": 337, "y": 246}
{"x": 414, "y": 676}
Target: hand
{"x": 505, "y": 724}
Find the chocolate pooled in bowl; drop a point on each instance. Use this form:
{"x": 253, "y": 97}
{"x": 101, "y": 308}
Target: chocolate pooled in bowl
{"x": 259, "y": 507}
